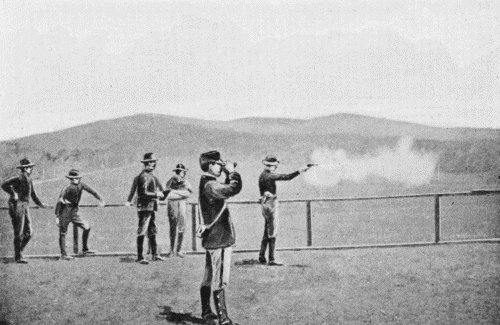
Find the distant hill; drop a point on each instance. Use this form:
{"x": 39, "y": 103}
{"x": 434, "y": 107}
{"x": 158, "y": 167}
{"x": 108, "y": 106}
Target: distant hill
{"x": 359, "y": 125}
{"x": 110, "y": 146}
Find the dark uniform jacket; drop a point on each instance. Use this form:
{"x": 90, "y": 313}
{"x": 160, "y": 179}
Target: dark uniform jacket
{"x": 212, "y": 197}
{"x": 23, "y": 186}
{"x": 70, "y": 196}
{"x": 146, "y": 185}
{"x": 267, "y": 180}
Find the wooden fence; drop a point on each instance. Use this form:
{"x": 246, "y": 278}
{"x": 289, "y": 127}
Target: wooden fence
{"x": 309, "y": 240}
{"x": 308, "y": 220}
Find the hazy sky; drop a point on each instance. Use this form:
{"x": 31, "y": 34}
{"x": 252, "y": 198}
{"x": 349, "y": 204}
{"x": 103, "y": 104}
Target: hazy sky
{"x": 64, "y": 63}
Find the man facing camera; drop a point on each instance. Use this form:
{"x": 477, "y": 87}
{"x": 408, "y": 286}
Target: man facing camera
{"x": 21, "y": 189}
{"x": 149, "y": 190}
{"x": 219, "y": 236}
{"x": 179, "y": 191}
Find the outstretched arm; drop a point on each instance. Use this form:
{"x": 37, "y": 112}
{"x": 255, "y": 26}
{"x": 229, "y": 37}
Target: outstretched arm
{"x": 35, "y": 197}
{"x": 94, "y": 193}
{"x": 284, "y": 177}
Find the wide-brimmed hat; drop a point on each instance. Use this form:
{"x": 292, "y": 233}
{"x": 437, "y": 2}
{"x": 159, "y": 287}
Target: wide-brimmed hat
{"x": 73, "y": 173}
{"x": 270, "y": 160}
{"x": 149, "y": 157}
{"x": 25, "y": 163}
{"x": 211, "y": 157}
{"x": 180, "y": 167}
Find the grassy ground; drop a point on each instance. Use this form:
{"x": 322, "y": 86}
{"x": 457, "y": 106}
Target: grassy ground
{"x": 450, "y": 284}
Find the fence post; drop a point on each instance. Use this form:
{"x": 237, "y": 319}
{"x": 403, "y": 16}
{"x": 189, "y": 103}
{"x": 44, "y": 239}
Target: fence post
{"x": 309, "y": 223}
{"x": 193, "y": 226}
{"x": 437, "y": 220}
{"x": 75, "y": 239}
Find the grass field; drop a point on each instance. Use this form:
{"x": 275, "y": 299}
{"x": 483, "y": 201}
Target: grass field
{"x": 450, "y": 284}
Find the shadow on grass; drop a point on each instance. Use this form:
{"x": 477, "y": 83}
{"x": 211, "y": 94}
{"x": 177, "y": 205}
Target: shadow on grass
{"x": 179, "y": 317}
{"x": 248, "y": 262}
{"x": 254, "y": 262}
{"x": 10, "y": 260}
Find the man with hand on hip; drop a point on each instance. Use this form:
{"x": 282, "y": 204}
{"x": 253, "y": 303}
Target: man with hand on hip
{"x": 220, "y": 236}
{"x": 21, "y": 189}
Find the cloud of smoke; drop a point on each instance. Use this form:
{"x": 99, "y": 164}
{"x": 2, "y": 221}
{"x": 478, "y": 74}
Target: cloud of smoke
{"x": 400, "y": 165}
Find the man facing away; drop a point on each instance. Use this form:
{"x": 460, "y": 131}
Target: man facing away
{"x": 179, "y": 191}
{"x": 220, "y": 237}
{"x": 269, "y": 205}
{"x": 149, "y": 190}
{"x": 20, "y": 189}
{"x": 67, "y": 211}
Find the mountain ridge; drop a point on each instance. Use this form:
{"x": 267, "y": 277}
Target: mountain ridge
{"x": 339, "y": 123}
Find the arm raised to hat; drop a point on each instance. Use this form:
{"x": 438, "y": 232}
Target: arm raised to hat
{"x": 231, "y": 187}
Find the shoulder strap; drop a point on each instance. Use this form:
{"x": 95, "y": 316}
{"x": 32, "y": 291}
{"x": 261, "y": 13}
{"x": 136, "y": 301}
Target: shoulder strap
{"x": 216, "y": 218}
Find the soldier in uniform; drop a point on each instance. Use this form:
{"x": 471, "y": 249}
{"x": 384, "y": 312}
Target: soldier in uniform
{"x": 149, "y": 189}
{"x": 179, "y": 191}
{"x": 219, "y": 239}
{"x": 67, "y": 211}
{"x": 269, "y": 205}
{"x": 20, "y": 189}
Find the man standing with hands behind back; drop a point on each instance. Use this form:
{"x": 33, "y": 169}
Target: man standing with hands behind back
{"x": 20, "y": 189}
{"x": 149, "y": 190}
{"x": 219, "y": 237}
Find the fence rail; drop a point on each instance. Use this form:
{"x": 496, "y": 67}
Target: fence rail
{"x": 309, "y": 212}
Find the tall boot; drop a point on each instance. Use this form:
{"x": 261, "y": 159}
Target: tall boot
{"x": 154, "y": 249}
{"x": 85, "y": 239}
{"x": 206, "y": 311}
{"x": 173, "y": 233}
{"x": 272, "y": 248}
{"x": 140, "y": 243}
{"x": 220, "y": 306}
{"x": 62, "y": 246}
{"x": 262, "y": 253}
{"x": 17, "y": 248}
{"x": 24, "y": 242}
{"x": 180, "y": 238}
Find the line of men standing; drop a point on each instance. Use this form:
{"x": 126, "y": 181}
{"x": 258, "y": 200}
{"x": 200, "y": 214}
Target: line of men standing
{"x": 217, "y": 240}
